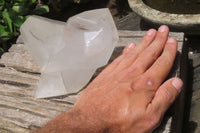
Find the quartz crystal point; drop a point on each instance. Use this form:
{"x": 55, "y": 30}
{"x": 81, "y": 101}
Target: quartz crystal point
{"x": 69, "y": 53}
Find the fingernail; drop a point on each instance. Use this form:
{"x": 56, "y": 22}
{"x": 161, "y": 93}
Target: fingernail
{"x": 171, "y": 40}
{"x": 163, "y": 28}
{"x": 150, "y": 32}
{"x": 131, "y": 45}
{"x": 177, "y": 83}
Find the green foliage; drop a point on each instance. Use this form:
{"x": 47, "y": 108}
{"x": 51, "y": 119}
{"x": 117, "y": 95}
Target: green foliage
{"x": 41, "y": 10}
{"x": 14, "y": 12}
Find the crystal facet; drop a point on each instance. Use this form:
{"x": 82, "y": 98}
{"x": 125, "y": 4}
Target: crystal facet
{"x": 69, "y": 53}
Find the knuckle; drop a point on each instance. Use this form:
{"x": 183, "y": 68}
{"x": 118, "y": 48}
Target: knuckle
{"x": 132, "y": 53}
{"x": 130, "y": 56}
{"x": 117, "y": 60}
{"x": 161, "y": 37}
{"x": 165, "y": 60}
{"x": 152, "y": 52}
{"x": 135, "y": 69}
{"x": 167, "y": 94}
{"x": 135, "y": 85}
{"x": 146, "y": 39}
{"x": 154, "y": 120}
{"x": 143, "y": 83}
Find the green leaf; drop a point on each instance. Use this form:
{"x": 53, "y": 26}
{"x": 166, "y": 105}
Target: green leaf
{"x": 1, "y": 51}
{"x": 28, "y": 3}
{"x": 6, "y": 35}
{"x": 16, "y": 8}
{"x": 2, "y": 2}
{"x": 18, "y": 21}
{"x": 41, "y": 10}
{"x": 7, "y": 19}
{"x": 1, "y": 7}
{"x": 1, "y": 21}
{"x": 0, "y": 15}
{"x": 19, "y": 1}
{"x": 19, "y": 4}
{"x": 25, "y": 3}
{"x": 3, "y": 32}
{"x": 26, "y": 17}
{"x": 7, "y": 5}
{"x": 21, "y": 10}
{"x": 32, "y": 1}
{"x": 2, "y": 29}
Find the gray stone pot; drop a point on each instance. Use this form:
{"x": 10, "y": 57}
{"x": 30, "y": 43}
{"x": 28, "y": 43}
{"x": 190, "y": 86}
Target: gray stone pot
{"x": 182, "y": 22}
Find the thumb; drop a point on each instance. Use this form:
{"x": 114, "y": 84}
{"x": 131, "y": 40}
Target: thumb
{"x": 166, "y": 95}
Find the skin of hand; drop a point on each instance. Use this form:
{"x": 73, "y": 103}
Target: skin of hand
{"x": 129, "y": 95}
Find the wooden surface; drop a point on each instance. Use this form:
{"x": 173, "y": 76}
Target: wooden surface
{"x": 20, "y": 112}
{"x": 193, "y": 125}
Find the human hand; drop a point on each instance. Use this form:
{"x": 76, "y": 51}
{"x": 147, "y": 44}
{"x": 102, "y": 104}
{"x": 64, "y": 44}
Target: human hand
{"x": 129, "y": 95}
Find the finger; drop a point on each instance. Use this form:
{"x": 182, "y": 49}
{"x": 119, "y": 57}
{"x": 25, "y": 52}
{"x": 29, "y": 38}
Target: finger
{"x": 106, "y": 73}
{"x": 149, "y": 55}
{"x": 160, "y": 69}
{"x": 165, "y": 96}
{"x": 128, "y": 48}
{"x": 119, "y": 59}
{"x": 130, "y": 58}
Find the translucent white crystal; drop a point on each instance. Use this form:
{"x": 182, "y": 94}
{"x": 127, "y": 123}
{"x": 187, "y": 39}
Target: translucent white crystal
{"x": 69, "y": 53}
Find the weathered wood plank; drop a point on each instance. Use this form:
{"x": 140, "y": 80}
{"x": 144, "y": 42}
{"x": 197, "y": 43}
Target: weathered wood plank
{"x": 19, "y": 59}
{"x": 21, "y": 112}
{"x": 193, "y": 125}
{"x": 11, "y": 75}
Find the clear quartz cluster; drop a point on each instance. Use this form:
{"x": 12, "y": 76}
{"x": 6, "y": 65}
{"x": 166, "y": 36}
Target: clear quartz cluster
{"x": 69, "y": 53}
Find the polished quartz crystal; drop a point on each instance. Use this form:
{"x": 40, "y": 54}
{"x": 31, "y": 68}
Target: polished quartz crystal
{"x": 69, "y": 53}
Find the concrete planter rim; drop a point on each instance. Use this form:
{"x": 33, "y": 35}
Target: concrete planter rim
{"x": 155, "y": 16}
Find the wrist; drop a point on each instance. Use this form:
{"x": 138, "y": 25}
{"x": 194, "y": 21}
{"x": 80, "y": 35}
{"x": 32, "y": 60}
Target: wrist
{"x": 84, "y": 122}
{"x": 74, "y": 121}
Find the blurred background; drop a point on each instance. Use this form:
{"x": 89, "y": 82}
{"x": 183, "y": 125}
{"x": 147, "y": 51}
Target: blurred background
{"x": 14, "y": 12}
